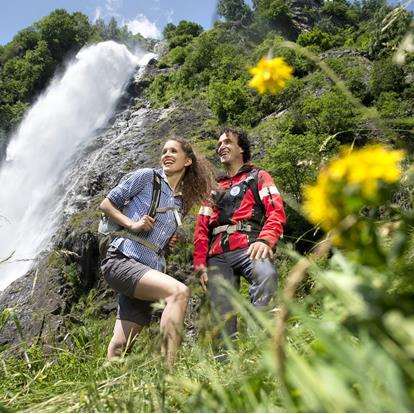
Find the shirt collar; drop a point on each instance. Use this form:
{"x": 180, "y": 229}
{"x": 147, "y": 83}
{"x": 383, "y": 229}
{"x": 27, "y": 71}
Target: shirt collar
{"x": 164, "y": 177}
{"x": 246, "y": 167}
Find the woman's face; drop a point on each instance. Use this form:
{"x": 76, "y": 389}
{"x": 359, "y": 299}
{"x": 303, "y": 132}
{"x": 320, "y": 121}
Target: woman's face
{"x": 173, "y": 158}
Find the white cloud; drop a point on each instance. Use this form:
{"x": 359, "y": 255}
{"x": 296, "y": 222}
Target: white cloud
{"x": 142, "y": 25}
{"x": 98, "y": 14}
{"x": 170, "y": 15}
{"x": 113, "y": 5}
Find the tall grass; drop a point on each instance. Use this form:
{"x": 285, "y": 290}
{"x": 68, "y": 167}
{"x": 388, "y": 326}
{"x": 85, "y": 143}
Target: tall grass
{"x": 343, "y": 354}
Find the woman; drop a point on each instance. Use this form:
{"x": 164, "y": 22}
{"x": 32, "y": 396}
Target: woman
{"x": 135, "y": 270}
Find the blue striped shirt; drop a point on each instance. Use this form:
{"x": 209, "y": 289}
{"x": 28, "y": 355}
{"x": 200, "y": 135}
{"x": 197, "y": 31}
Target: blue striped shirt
{"x": 133, "y": 197}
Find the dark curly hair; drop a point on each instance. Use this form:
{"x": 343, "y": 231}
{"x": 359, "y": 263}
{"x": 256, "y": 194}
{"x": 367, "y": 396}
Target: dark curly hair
{"x": 242, "y": 140}
{"x": 198, "y": 180}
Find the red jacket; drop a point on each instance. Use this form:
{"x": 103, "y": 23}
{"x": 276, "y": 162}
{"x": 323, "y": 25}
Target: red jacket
{"x": 234, "y": 205}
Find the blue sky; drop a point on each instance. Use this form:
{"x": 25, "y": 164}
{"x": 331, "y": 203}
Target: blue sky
{"x": 145, "y": 16}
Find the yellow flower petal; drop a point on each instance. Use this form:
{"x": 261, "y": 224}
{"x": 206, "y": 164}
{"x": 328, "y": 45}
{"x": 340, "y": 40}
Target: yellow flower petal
{"x": 270, "y": 75}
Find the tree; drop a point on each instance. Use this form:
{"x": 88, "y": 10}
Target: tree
{"x": 184, "y": 27}
{"x": 272, "y": 11}
{"x": 25, "y": 40}
{"x": 234, "y": 10}
{"x": 112, "y": 30}
{"x": 64, "y": 32}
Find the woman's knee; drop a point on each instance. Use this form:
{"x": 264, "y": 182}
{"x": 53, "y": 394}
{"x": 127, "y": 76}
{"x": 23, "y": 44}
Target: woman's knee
{"x": 179, "y": 291}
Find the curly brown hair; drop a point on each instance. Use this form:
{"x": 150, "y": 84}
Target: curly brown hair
{"x": 198, "y": 180}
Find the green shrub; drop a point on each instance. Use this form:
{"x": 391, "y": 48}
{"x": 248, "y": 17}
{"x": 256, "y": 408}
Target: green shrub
{"x": 184, "y": 27}
{"x": 317, "y": 37}
{"x": 390, "y": 104}
{"x": 293, "y": 160}
{"x": 386, "y": 76}
{"x": 231, "y": 102}
{"x": 329, "y": 113}
{"x": 180, "y": 40}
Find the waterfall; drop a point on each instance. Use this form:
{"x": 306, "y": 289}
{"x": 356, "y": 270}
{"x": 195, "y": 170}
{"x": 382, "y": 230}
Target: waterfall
{"x": 48, "y": 143}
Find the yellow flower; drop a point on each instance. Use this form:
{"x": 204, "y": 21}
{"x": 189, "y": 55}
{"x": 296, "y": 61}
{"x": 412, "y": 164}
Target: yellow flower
{"x": 270, "y": 75}
{"x": 367, "y": 167}
{"x": 360, "y": 173}
{"x": 318, "y": 205}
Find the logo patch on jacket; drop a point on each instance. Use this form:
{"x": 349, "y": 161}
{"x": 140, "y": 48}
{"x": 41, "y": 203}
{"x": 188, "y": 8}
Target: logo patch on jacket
{"x": 235, "y": 191}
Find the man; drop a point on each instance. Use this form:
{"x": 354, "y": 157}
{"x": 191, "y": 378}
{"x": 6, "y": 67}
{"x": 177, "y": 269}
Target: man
{"x": 237, "y": 230}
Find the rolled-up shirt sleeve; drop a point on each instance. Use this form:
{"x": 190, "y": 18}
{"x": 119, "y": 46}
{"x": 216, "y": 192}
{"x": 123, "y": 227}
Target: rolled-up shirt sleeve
{"x": 131, "y": 185}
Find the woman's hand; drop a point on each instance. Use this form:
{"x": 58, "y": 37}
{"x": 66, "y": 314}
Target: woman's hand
{"x": 173, "y": 241}
{"x": 145, "y": 223}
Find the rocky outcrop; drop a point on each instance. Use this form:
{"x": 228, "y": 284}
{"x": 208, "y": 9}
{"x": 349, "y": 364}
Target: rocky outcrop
{"x": 43, "y": 299}
{"x": 304, "y": 14}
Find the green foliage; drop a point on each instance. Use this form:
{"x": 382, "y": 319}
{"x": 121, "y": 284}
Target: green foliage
{"x": 180, "y": 40}
{"x": 329, "y": 113}
{"x": 355, "y": 71}
{"x": 178, "y": 55}
{"x": 29, "y": 60}
{"x": 294, "y": 159}
{"x": 367, "y": 9}
{"x": 231, "y": 102}
{"x": 184, "y": 27}
{"x": 64, "y": 32}
{"x": 235, "y": 10}
{"x": 391, "y": 105}
{"x": 324, "y": 37}
{"x": 386, "y": 30}
{"x": 26, "y": 39}
{"x": 272, "y": 11}
{"x": 317, "y": 37}
{"x": 338, "y": 9}
{"x": 11, "y": 114}
{"x": 386, "y": 76}
{"x": 22, "y": 77}
{"x": 182, "y": 34}
{"x": 339, "y": 342}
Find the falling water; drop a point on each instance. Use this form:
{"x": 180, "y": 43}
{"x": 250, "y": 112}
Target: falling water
{"x": 46, "y": 145}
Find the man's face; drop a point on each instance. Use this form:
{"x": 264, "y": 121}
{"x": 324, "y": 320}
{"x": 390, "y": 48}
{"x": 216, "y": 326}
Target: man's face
{"x": 228, "y": 149}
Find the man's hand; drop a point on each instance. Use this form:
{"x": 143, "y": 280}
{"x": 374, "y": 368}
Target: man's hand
{"x": 146, "y": 223}
{"x": 259, "y": 250}
{"x": 173, "y": 241}
{"x": 203, "y": 279}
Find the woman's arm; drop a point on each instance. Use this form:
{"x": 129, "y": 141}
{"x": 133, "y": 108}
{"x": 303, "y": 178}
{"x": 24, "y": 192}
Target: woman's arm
{"x": 145, "y": 223}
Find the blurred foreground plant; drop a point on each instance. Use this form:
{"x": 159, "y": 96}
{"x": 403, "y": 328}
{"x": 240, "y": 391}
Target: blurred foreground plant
{"x": 270, "y": 75}
{"x": 359, "y": 181}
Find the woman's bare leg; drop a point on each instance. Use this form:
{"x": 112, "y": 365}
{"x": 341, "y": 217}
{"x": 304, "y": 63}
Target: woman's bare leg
{"x": 125, "y": 332}
{"x": 154, "y": 286}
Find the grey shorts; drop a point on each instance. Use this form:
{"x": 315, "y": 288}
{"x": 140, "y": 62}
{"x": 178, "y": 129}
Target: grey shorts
{"x": 122, "y": 274}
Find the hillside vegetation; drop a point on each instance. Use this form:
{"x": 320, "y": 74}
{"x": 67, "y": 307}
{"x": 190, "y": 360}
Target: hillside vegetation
{"x": 338, "y": 142}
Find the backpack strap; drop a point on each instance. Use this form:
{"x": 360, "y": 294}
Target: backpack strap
{"x": 131, "y": 236}
{"x": 255, "y": 186}
{"x": 155, "y": 201}
{"x": 156, "y": 194}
